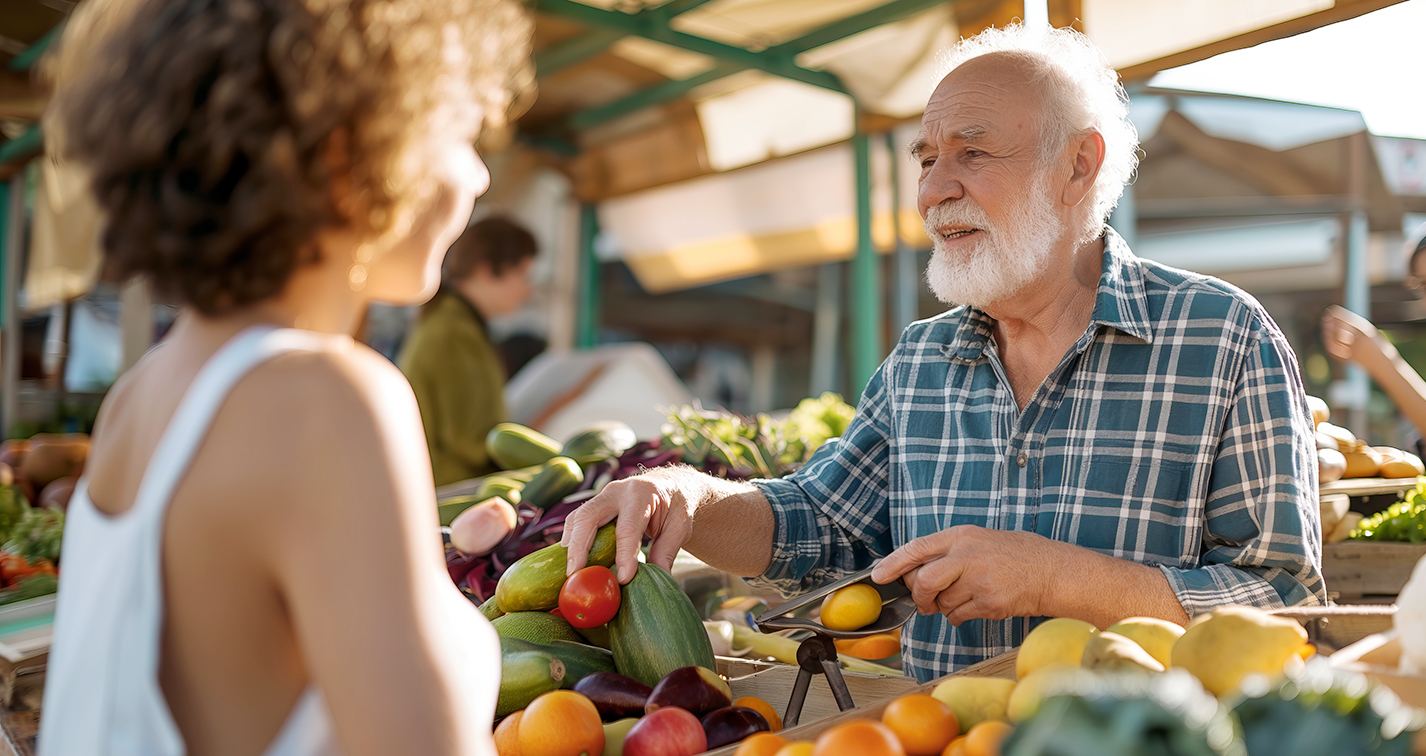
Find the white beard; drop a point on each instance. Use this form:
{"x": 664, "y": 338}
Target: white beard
{"x": 1003, "y": 260}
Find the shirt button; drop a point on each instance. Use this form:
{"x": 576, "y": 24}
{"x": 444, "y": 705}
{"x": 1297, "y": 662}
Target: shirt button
{"x": 1021, "y": 460}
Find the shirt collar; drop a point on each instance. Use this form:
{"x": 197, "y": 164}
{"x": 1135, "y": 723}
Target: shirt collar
{"x": 469, "y": 305}
{"x": 1121, "y": 303}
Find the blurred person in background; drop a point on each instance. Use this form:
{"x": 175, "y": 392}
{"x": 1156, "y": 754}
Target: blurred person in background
{"x": 251, "y": 561}
{"x": 1349, "y": 337}
{"x": 455, "y": 371}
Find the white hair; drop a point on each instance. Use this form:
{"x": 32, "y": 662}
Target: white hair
{"x": 1083, "y": 94}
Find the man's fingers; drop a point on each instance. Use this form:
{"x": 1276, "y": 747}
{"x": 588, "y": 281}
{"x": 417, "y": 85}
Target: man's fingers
{"x": 914, "y": 552}
{"x": 628, "y": 536}
{"x": 670, "y": 539}
{"x": 580, "y": 527}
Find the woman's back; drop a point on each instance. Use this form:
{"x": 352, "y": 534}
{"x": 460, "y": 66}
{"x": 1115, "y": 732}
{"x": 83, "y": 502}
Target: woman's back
{"x": 292, "y": 455}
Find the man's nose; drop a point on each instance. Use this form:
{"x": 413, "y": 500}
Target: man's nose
{"x": 937, "y": 186}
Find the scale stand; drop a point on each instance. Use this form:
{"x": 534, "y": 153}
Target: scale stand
{"x": 816, "y": 656}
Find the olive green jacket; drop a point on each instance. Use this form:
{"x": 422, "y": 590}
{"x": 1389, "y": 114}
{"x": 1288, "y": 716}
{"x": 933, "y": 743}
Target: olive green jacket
{"x": 459, "y": 384}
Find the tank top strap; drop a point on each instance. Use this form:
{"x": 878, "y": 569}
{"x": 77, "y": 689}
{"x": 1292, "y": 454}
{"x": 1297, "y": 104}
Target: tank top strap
{"x": 200, "y": 404}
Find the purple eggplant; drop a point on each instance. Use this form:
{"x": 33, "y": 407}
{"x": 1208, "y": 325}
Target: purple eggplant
{"x": 731, "y": 724}
{"x": 614, "y": 695}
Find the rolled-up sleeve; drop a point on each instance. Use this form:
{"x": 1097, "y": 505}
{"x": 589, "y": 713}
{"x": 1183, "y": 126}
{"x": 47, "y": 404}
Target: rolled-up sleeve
{"x": 1262, "y": 544}
{"x": 832, "y": 516}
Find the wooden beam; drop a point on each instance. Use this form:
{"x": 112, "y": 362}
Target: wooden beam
{"x": 1341, "y": 11}
{"x": 1249, "y": 163}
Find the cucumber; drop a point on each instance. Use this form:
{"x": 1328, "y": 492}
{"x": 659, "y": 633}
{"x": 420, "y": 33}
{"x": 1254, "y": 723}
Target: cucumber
{"x": 657, "y": 630}
{"x": 452, "y": 507}
{"x": 559, "y": 479}
{"x": 599, "y": 442}
{"x": 579, "y": 660}
{"x": 491, "y": 610}
{"x": 525, "y": 676}
{"x": 533, "y": 583}
{"x": 523, "y": 475}
{"x": 513, "y": 446}
{"x": 534, "y": 627}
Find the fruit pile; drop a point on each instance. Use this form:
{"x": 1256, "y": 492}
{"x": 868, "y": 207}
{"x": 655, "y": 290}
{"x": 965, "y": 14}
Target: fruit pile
{"x": 1404, "y": 521}
{"x": 1340, "y": 454}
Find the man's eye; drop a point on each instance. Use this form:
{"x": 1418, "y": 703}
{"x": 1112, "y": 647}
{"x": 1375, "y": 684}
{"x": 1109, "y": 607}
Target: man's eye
{"x": 974, "y": 153}
{"x": 928, "y": 162}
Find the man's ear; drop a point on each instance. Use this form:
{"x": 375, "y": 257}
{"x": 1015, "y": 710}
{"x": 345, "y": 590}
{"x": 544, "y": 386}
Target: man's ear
{"x": 1088, "y": 159}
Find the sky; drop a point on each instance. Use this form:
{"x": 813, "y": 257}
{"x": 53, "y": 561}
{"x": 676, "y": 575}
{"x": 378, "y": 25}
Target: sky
{"x": 1375, "y": 63}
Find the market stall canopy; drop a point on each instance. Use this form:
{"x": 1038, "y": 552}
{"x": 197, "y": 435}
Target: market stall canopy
{"x": 1207, "y": 156}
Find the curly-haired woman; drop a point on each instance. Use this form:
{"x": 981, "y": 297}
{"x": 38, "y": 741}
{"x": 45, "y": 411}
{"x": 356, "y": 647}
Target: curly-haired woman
{"x": 251, "y": 562}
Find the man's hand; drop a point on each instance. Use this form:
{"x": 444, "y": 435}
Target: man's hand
{"x": 968, "y": 572}
{"x": 652, "y": 503}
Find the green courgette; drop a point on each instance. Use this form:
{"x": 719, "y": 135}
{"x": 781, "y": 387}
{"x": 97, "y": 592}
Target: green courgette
{"x": 599, "y": 442}
{"x": 657, "y": 630}
{"x": 533, "y": 583}
{"x": 559, "y": 479}
{"x": 525, "y": 676}
{"x": 512, "y": 446}
{"x": 579, "y": 660}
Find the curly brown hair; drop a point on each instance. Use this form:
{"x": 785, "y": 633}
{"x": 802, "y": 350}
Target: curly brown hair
{"x": 223, "y": 135}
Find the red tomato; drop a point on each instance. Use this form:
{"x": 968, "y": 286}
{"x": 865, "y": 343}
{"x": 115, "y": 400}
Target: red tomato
{"x": 590, "y": 597}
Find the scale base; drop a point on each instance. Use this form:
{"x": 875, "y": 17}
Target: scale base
{"x": 816, "y": 656}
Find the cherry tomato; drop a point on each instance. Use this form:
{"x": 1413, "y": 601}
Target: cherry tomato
{"x": 590, "y": 597}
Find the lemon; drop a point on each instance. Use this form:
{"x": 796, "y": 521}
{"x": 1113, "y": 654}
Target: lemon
{"x": 1060, "y": 640}
{"x": 1154, "y": 635}
{"x": 975, "y": 699}
{"x": 851, "y": 608}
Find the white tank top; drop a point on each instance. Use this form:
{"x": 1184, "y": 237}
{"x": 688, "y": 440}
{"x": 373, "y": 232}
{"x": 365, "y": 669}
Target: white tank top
{"x": 102, "y": 694}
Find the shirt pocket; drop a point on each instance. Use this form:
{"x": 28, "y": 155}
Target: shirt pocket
{"x": 1133, "y": 508}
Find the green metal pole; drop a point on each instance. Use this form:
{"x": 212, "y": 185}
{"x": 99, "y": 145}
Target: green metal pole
{"x": 4, "y": 243}
{"x": 587, "y": 321}
{"x": 866, "y": 278}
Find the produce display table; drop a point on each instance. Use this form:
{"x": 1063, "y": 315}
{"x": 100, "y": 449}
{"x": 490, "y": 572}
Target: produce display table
{"x": 1369, "y": 495}
{"x": 1355, "y": 569}
{"x": 871, "y": 693}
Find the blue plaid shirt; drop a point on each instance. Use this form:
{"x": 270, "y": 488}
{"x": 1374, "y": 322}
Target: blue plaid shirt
{"x": 1175, "y": 433}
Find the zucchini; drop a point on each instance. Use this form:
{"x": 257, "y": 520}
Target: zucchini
{"x": 599, "y": 442}
{"x": 506, "y": 488}
{"x": 533, "y": 583}
{"x": 524, "y": 676}
{"x": 657, "y": 630}
{"x": 559, "y": 479}
{"x": 513, "y": 446}
{"x": 579, "y": 660}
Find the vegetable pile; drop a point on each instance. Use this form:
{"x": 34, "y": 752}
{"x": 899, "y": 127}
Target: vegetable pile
{"x": 30, "y": 555}
{"x": 1403, "y": 521}
{"x": 545, "y": 480}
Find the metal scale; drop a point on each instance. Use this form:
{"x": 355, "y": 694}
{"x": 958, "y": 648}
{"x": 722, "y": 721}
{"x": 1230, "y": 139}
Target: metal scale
{"x": 818, "y": 654}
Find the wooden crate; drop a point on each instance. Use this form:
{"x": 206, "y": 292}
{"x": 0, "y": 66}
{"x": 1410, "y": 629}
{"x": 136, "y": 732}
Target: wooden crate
{"x": 1353, "y": 569}
{"x": 1340, "y": 625}
{"x": 871, "y": 693}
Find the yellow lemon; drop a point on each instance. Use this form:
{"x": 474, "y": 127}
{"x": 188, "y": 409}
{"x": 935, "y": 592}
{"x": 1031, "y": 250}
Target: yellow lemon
{"x": 1025, "y": 699}
{"x": 1155, "y": 635}
{"x": 851, "y": 608}
{"x": 1056, "y": 641}
{"x": 975, "y": 699}
{"x": 1233, "y": 641}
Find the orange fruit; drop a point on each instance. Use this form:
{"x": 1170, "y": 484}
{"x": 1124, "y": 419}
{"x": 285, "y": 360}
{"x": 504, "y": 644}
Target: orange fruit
{"x": 877, "y": 647}
{"x": 760, "y": 743}
{"x": 956, "y": 748}
{"x": 851, "y": 608}
{"x": 796, "y": 748}
{"x": 923, "y": 725}
{"x": 762, "y": 707}
{"x": 561, "y": 723}
{"x": 863, "y": 737}
{"x": 507, "y": 735}
{"x": 985, "y": 738}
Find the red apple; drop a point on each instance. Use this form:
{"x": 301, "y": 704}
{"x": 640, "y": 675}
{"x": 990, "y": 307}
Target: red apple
{"x": 670, "y": 731}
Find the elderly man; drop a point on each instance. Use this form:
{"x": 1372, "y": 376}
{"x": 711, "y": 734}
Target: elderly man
{"x": 1088, "y": 435}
